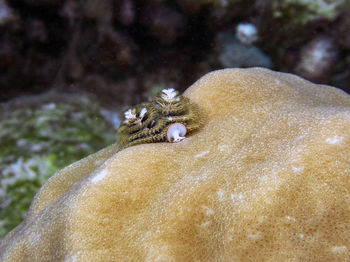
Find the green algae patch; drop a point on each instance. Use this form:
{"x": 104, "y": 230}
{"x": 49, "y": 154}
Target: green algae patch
{"x": 300, "y": 12}
{"x": 38, "y": 139}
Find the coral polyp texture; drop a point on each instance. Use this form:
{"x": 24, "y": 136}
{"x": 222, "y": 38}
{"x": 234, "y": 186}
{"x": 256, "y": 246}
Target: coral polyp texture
{"x": 266, "y": 178}
{"x": 156, "y": 121}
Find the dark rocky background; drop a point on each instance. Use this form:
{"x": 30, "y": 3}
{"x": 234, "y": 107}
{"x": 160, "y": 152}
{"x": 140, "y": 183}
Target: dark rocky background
{"x": 123, "y": 50}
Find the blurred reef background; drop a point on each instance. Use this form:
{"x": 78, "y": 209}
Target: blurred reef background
{"x": 68, "y": 68}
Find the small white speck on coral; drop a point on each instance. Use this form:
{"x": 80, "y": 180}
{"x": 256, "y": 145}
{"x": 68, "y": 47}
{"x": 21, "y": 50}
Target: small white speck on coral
{"x": 340, "y": 249}
{"x": 208, "y": 211}
{"x": 221, "y": 194}
{"x": 297, "y": 169}
{"x": 37, "y": 238}
{"x": 289, "y": 218}
{"x": 334, "y": 140}
{"x": 99, "y": 176}
{"x": 299, "y": 138}
{"x": 224, "y": 148}
{"x": 236, "y": 198}
{"x": 205, "y": 224}
{"x": 202, "y": 154}
{"x": 98, "y": 162}
{"x": 71, "y": 258}
{"x": 255, "y": 236}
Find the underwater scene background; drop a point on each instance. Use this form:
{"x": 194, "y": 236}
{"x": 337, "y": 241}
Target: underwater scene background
{"x": 69, "y": 68}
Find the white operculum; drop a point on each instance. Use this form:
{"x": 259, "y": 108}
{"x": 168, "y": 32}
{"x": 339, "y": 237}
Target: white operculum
{"x": 176, "y": 132}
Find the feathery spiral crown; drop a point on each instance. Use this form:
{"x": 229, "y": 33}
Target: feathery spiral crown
{"x": 149, "y": 122}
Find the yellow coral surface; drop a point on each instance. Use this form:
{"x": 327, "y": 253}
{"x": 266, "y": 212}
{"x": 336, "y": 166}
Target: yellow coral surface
{"x": 267, "y": 178}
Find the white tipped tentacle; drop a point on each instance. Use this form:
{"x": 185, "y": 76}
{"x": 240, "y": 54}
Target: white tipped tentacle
{"x": 176, "y": 132}
{"x": 169, "y": 95}
{"x": 130, "y": 115}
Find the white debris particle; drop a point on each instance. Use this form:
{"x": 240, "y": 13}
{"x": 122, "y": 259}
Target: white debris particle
{"x": 221, "y": 194}
{"x": 223, "y": 148}
{"x": 255, "y": 236}
{"x": 297, "y": 169}
{"x": 71, "y": 258}
{"x": 68, "y": 258}
{"x": 334, "y": 140}
{"x": 205, "y": 224}
{"x": 235, "y": 197}
{"x": 340, "y": 249}
{"x": 301, "y": 236}
{"x": 246, "y": 33}
{"x": 99, "y": 176}
{"x": 299, "y": 138}
{"x": 202, "y": 154}
{"x": 208, "y": 210}
{"x": 290, "y": 218}
{"x": 98, "y": 162}
{"x": 37, "y": 238}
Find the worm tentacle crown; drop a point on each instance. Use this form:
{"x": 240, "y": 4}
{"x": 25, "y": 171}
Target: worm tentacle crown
{"x": 168, "y": 117}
